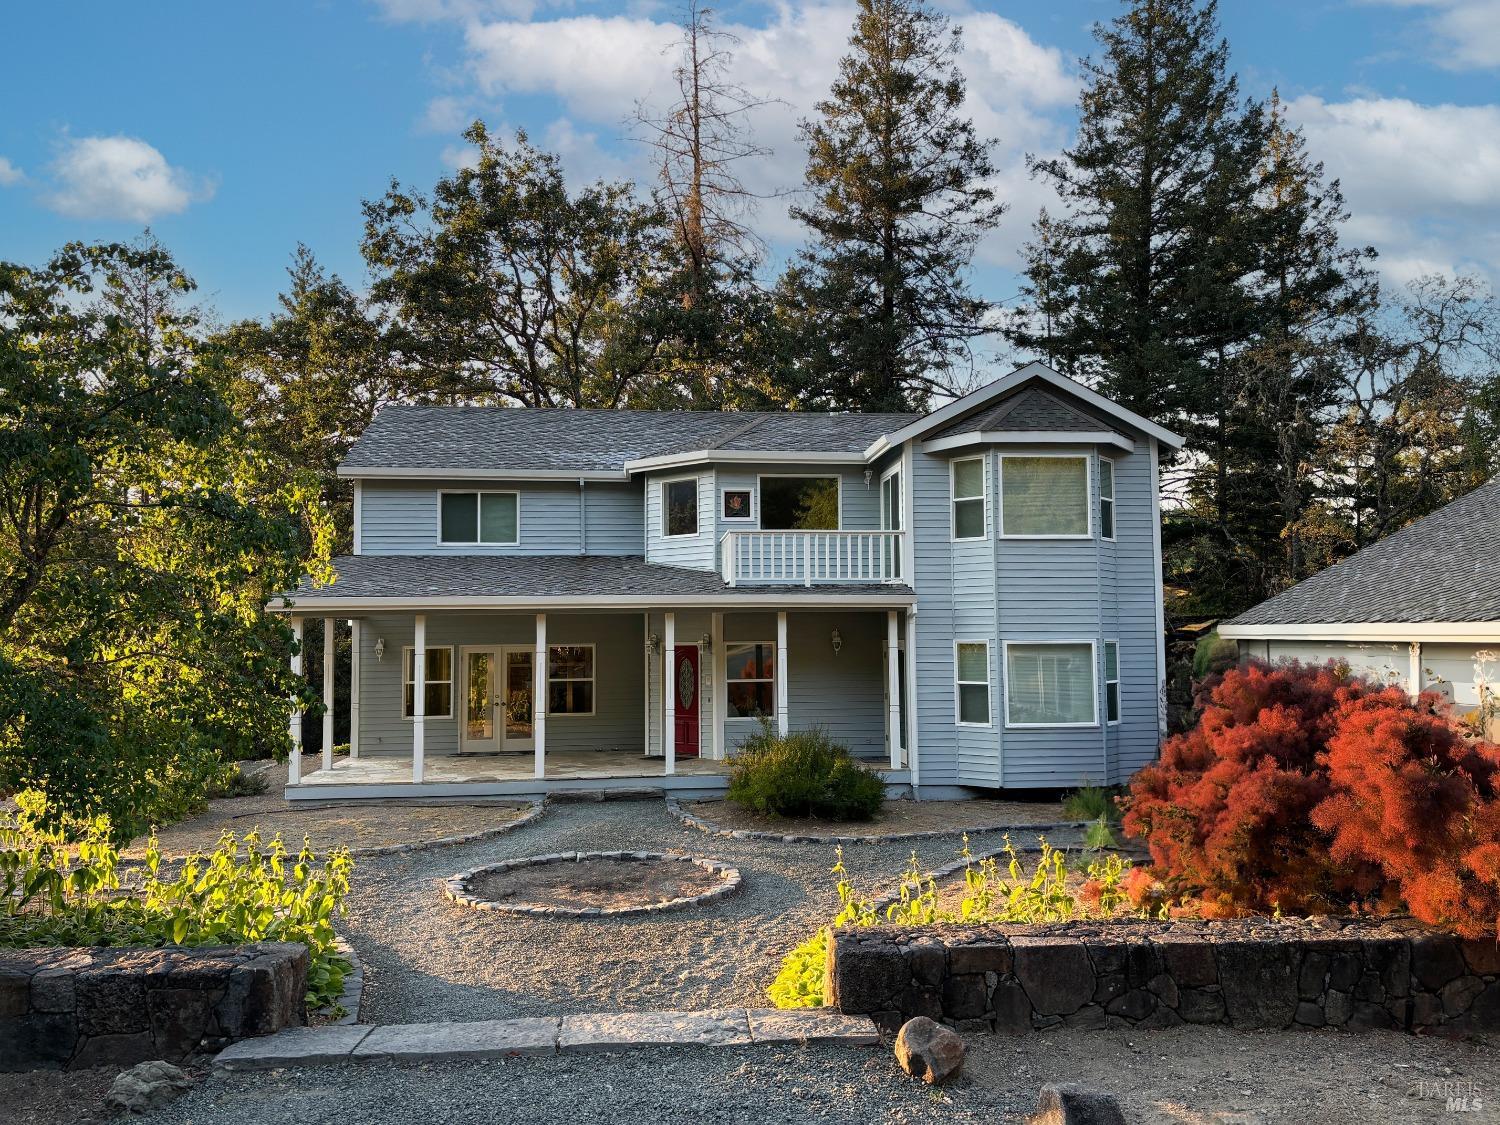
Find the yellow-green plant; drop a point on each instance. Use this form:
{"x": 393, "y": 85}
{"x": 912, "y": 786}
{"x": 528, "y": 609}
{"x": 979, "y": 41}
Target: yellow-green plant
{"x": 990, "y": 895}
{"x": 62, "y": 892}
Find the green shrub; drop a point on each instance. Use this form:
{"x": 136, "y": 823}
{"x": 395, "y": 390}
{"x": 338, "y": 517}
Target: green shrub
{"x": 235, "y": 782}
{"x": 1214, "y": 654}
{"x": 803, "y": 774}
{"x": 990, "y": 895}
{"x": 57, "y": 893}
{"x": 1092, "y": 802}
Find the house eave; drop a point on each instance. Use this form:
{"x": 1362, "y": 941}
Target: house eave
{"x": 795, "y": 597}
{"x": 460, "y": 472}
{"x": 741, "y": 457}
{"x": 1435, "y": 632}
{"x": 1028, "y": 437}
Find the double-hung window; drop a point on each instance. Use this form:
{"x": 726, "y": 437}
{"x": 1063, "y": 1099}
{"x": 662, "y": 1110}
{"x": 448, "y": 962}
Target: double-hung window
{"x": 971, "y": 674}
{"x": 479, "y": 517}
{"x": 570, "y": 679}
{"x": 1050, "y": 684}
{"x": 1044, "y": 497}
{"x": 966, "y": 477}
{"x": 679, "y": 507}
{"x": 750, "y": 679}
{"x": 1106, "y": 498}
{"x": 1112, "y": 681}
{"x": 437, "y": 687}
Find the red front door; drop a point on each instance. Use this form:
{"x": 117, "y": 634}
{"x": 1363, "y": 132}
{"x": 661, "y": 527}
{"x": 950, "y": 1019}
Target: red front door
{"x": 686, "y": 715}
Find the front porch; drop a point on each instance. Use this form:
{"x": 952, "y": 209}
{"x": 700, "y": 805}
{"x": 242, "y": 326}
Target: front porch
{"x": 493, "y": 703}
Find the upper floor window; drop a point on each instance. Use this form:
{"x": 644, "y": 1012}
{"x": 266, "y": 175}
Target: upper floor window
{"x": 1044, "y": 497}
{"x": 1106, "y": 498}
{"x": 799, "y": 503}
{"x": 479, "y": 517}
{"x": 967, "y": 481}
{"x": 679, "y": 507}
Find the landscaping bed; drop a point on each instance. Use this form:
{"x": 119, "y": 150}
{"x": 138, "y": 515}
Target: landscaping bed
{"x": 363, "y": 827}
{"x": 593, "y": 884}
{"x": 897, "y": 819}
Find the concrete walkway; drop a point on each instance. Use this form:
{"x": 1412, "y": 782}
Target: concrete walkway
{"x": 544, "y": 1035}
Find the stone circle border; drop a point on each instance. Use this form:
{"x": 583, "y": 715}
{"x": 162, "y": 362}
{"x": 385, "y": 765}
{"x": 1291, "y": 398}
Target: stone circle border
{"x": 538, "y": 807}
{"x": 692, "y": 820}
{"x": 456, "y": 887}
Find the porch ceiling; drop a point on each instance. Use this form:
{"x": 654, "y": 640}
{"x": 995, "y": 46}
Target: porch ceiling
{"x": 387, "y": 582}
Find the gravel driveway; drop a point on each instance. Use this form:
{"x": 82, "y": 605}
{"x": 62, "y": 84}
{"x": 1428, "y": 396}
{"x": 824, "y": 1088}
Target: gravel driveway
{"x": 1194, "y": 1075}
{"x": 427, "y": 959}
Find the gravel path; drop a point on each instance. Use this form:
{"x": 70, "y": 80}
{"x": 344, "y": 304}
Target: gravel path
{"x": 1196, "y": 1075}
{"x": 427, "y": 959}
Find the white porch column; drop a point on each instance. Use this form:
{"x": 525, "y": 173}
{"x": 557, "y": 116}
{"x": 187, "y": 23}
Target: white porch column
{"x": 781, "y": 694}
{"x": 1414, "y": 675}
{"x": 669, "y": 694}
{"x": 913, "y": 727}
{"x": 329, "y": 640}
{"x": 893, "y": 687}
{"x": 720, "y": 688}
{"x": 539, "y": 698}
{"x": 419, "y": 697}
{"x": 294, "y": 762}
{"x": 356, "y": 638}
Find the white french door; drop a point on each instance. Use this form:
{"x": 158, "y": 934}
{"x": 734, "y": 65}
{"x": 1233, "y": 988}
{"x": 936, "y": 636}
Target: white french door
{"x": 479, "y": 729}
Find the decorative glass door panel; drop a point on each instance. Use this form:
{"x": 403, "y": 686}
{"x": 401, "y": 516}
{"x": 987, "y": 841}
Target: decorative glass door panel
{"x": 520, "y": 673}
{"x": 479, "y": 718}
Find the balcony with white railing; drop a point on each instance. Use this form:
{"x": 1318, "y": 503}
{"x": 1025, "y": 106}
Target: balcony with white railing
{"x": 810, "y": 558}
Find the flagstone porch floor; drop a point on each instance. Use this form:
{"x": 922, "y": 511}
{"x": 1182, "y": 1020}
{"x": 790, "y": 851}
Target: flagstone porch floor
{"x": 562, "y": 765}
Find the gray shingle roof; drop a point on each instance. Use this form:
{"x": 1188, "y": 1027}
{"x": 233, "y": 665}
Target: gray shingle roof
{"x": 1440, "y": 568}
{"x": 538, "y": 576}
{"x": 1030, "y": 408}
{"x": 499, "y": 438}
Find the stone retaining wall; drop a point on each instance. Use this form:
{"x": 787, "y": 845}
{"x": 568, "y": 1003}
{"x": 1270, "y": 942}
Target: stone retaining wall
{"x": 75, "y": 1008}
{"x": 1132, "y": 973}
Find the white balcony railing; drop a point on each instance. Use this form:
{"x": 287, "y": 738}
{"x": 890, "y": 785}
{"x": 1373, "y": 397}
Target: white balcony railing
{"x": 809, "y": 558}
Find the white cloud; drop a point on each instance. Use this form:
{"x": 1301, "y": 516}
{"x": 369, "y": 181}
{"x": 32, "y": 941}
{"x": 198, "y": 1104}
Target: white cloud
{"x": 120, "y": 178}
{"x": 598, "y": 68}
{"x": 9, "y": 173}
{"x": 447, "y": 114}
{"x": 1467, "y": 31}
{"x": 1422, "y": 181}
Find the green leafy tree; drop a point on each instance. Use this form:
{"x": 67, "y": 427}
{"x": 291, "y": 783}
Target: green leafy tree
{"x": 507, "y": 287}
{"x": 879, "y": 304}
{"x": 1133, "y": 288}
{"x": 141, "y": 532}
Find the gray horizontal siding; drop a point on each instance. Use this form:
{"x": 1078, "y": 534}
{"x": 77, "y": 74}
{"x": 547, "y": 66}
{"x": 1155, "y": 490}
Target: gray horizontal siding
{"x": 402, "y": 519}
{"x": 695, "y": 551}
{"x": 619, "y": 640}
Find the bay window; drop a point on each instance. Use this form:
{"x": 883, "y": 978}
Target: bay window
{"x": 1050, "y": 684}
{"x": 1044, "y": 497}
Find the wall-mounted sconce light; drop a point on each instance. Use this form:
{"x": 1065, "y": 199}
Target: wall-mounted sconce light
{"x": 653, "y": 643}
{"x": 838, "y": 641}
{"x": 868, "y": 474}
{"x": 707, "y": 642}
{"x": 379, "y": 648}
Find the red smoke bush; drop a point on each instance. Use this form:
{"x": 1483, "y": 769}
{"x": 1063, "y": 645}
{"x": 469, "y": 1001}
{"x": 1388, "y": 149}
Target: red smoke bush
{"x": 1304, "y": 789}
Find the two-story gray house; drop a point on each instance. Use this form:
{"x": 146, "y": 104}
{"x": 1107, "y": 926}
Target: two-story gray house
{"x": 969, "y": 598}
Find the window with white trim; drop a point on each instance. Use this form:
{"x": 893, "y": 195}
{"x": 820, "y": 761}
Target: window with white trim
{"x": 971, "y": 676}
{"x": 1044, "y": 497}
{"x": 750, "y": 679}
{"x": 1050, "y": 684}
{"x": 966, "y": 482}
{"x": 679, "y": 508}
{"x": 1106, "y": 498}
{"x": 570, "y": 679}
{"x": 479, "y": 517}
{"x": 437, "y": 689}
{"x": 799, "y": 503}
{"x": 1112, "y": 681}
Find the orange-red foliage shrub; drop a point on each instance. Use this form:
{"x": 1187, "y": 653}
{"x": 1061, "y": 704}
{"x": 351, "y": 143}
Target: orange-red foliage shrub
{"x": 1305, "y": 789}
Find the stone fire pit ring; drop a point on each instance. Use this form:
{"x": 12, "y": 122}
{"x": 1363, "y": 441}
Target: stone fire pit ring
{"x": 461, "y": 888}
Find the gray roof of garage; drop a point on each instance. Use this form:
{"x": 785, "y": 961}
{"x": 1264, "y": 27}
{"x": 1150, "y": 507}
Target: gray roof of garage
{"x": 1440, "y": 568}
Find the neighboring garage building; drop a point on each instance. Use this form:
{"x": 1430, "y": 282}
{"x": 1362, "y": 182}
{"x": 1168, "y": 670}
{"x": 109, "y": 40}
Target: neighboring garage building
{"x": 1420, "y": 608}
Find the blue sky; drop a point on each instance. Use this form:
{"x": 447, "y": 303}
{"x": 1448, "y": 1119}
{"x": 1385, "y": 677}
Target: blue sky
{"x": 237, "y": 130}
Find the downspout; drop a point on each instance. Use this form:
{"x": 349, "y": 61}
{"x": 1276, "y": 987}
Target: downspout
{"x": 583, "y": 520}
